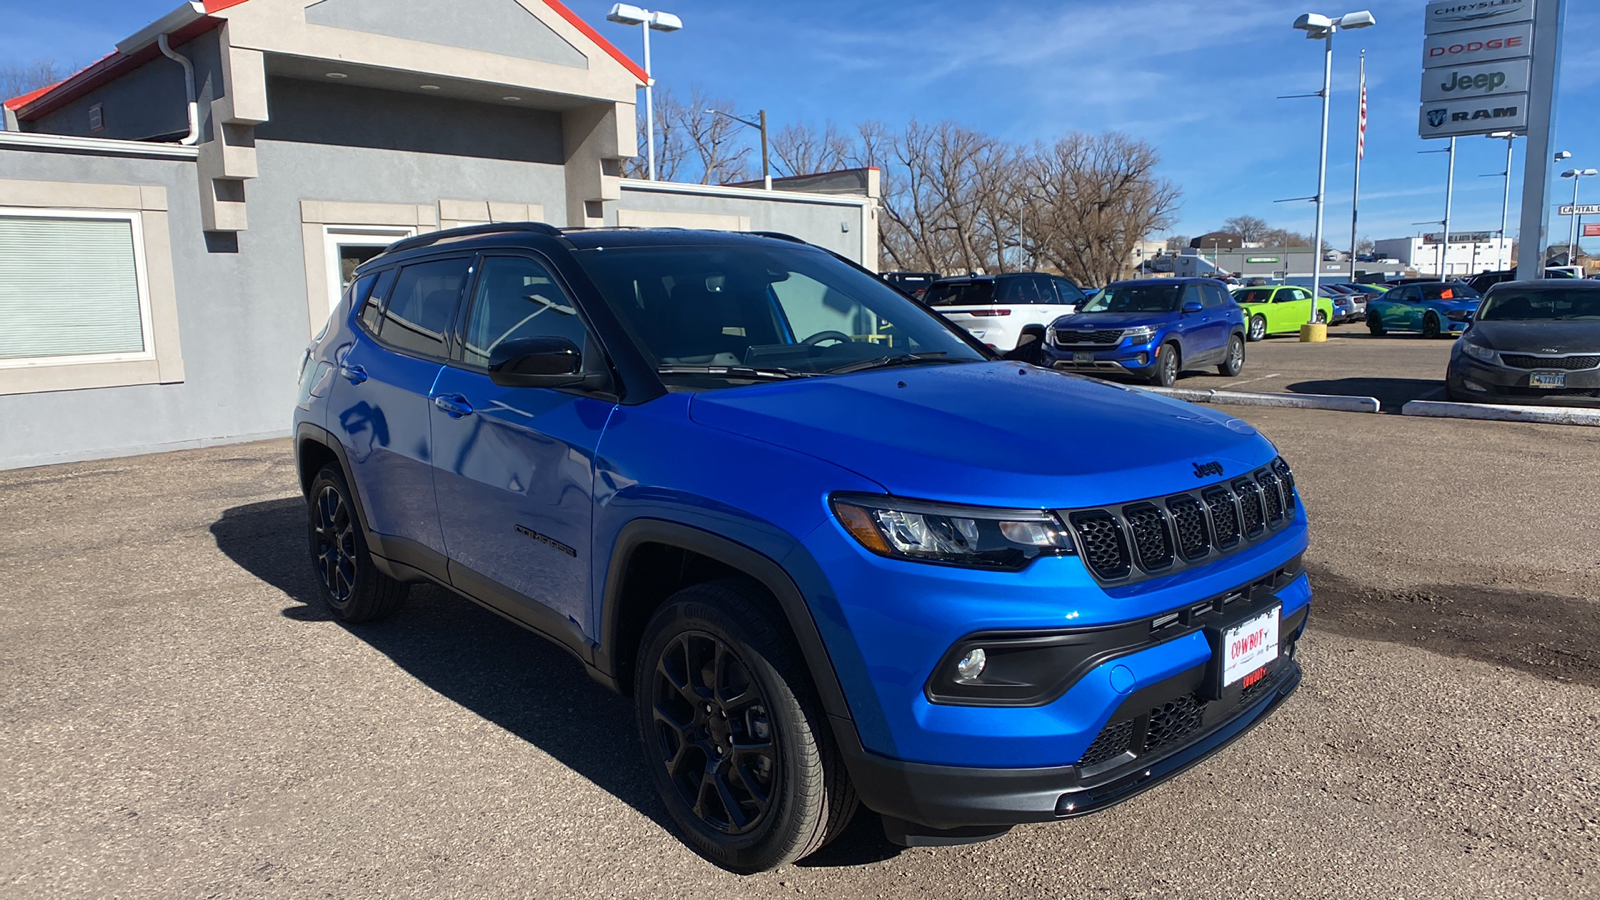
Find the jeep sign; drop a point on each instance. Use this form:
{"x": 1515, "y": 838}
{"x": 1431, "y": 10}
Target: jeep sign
{"x": 1488, "y": 79}
{"x": 1463, "y": 48}
{"x": 1475, "y": 116}
{"x": 1456, "y": 15}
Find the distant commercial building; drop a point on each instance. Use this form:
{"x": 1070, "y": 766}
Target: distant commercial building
{"x": 1468, "y": 253}
{"x": 1279, "y": 265}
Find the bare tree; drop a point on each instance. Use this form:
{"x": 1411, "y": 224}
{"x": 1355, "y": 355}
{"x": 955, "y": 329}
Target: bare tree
{"x": 693, "y": 144}
{"x": 1249, "y": 228}
{"x": 803, "y": 150}
{"x": 1176, "y": 243}
{"x": 1364, "y": 245}
{"x": 20, "y": 78}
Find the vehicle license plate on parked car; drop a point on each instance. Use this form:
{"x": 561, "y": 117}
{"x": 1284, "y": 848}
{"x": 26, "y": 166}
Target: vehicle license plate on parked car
{"x": 1083, "y": 356}
{"x": 1250, "y": 645}
{"x": 1547, "y": 379}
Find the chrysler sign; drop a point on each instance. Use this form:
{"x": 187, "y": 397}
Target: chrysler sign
{"x": 1456, "y": 15}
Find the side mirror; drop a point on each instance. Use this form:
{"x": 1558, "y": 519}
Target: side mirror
{"x": 547, "y": 362}
{"x": 1193, "y": 306}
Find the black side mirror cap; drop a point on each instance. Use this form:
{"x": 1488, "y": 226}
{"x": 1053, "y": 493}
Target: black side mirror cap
{"x": 547, "y": 362}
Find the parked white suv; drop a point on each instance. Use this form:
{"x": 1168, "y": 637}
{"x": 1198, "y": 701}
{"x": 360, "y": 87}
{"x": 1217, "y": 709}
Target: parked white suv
{"x": 997, "y": 309}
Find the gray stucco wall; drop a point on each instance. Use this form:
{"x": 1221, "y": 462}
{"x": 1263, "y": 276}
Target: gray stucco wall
{"x": 149, "y": 101}
{"x": 498, "y": 26}
{"x": 823, "y": 224}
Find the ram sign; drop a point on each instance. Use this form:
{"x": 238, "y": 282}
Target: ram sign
{"x": 1477, "y": 116}
{"x": 1477, "y": 63}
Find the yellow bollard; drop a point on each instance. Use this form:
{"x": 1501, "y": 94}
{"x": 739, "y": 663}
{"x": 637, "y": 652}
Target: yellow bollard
{"x": 1313, "y": 333}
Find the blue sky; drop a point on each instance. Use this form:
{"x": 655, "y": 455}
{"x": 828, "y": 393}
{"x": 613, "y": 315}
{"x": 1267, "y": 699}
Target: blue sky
{"x": 1195, "y": 78}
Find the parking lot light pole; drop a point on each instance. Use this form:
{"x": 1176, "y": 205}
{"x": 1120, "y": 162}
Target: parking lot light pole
{"x": 1319, "y": 26}
{"x": 648, "y": 21}
{"x": 761, "y": 126}
{"x": 1510, "y": 138}
{"x": 1577, "y": 175}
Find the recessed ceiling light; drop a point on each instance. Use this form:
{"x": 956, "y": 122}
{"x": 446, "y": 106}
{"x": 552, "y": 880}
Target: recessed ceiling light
{"x": 513, "y": 99}
{"x": 430, "y": 87}
{"x": 337, "y": 75}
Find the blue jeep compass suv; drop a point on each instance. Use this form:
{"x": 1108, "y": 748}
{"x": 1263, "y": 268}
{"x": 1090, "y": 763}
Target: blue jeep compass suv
{"x": 834, "y": 548}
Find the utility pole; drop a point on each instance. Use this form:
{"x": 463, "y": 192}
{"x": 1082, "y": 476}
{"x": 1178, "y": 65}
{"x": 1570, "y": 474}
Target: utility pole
{"x": 1361, "y": 150}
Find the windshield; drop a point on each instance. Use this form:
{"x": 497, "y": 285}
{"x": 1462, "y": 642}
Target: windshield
{"x": 1533, "y": 306}
{"x": 773, "y": 311}
{"x": 1123, "y": 298}
{"x": 960, "y": 293}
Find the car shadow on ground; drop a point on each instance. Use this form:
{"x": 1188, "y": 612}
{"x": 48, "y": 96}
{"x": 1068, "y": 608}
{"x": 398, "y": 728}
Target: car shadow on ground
{"x": 1392, "y": 393}
{"x": 509, "y": 676}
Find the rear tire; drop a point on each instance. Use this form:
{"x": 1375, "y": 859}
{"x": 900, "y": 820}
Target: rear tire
{"x": 1233, "y": 363}
{"x": 1258, "y": 328}
{"x": 734, "y": 738}
{"x": 1320, "y": 317}
{"x": 351, "y": 586}
{"x": 1375, "y": 323}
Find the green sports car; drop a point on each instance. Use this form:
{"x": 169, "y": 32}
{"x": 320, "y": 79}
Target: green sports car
{"x": 1279, "y": 309}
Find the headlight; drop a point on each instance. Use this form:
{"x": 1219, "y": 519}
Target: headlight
{"x": 973, "y": 536}
{"x": 1459, "y": 315}
{"x": 1139, "y": 335}
{"x": 1479, "y": 351}
{"x": 1050, "y": 334}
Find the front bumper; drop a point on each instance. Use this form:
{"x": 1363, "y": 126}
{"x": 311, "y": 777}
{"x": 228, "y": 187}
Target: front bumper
{"x": 1124, "y": 358}
{"x": 980, "y": 802}
{"x": 1471, "y": 377}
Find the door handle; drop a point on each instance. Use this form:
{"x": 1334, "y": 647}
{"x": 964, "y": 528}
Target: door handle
{"x": 355, "y": 374}
{"x": 454, "y": 405}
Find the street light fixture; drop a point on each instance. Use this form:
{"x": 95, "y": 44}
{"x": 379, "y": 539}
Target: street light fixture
{"x": 627, "y": 14}
{"x": 1319, "y": 26}
{"x": 761, "y": 126}
{"x": 1577, "y": 175}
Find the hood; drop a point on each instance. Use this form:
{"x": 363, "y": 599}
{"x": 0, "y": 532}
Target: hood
{"x": 1539, "y": 337}
{"x": 993, "y": 434}
{"x": 1112, "y": 321}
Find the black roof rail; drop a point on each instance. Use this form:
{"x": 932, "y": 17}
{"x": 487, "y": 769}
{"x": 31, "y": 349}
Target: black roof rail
{"x": 778, "y": 235}
{"x": 433, "y": 237}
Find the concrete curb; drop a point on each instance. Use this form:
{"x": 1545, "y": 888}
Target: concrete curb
{"x": 1294, "y": 401}
{"x": 1544, "y": 415}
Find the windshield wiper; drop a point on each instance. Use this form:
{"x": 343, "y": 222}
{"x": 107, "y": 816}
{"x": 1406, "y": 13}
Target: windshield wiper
{"x": 898, "y": 359}
{"x": 750, "y": 372}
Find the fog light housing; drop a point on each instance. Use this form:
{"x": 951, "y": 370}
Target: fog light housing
{"x": 970, "y": 667}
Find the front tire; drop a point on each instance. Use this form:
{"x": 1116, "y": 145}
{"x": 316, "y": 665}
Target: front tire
{"x": 351, "y": 586}
{"x": 734, "y": 739}
{"x": 1430, "y": 326}
{"x": 1233, "y": 363}
{"x": 1164, "y": 371}
{"x": 1375, "y": 324}
{"x": 1258, "y": 327}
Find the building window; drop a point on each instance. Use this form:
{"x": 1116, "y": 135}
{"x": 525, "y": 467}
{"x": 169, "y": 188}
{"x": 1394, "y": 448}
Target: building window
{"x": 347, "y": 246}
{"x": 73, "y": 288}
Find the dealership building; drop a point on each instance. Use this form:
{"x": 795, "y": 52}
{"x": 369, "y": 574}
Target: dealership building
{"x": 178, "y": 219}
{"x": 1467, "y": 253}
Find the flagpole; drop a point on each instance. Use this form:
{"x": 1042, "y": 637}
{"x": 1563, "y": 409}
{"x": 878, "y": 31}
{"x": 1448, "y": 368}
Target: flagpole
{"x": 1361, "y": 150}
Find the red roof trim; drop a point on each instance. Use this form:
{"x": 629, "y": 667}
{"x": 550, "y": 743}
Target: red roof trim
{"x": 216, "y": 6}
{"x": 589, "y": 32}
{"x": 18, "y": 102}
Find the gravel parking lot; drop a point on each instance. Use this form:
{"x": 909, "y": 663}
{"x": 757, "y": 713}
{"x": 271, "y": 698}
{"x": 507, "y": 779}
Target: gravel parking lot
{"x": 179, "y": 722}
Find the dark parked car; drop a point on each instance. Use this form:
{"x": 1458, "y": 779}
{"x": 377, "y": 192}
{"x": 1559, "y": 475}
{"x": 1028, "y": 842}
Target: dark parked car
{"x": 1482, "y": 281}
{"x": 1535, "y": 340}
{"x": 913, "y": 284}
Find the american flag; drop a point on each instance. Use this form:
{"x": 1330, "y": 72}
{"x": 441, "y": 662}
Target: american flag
{"x": 1361, "y": 119}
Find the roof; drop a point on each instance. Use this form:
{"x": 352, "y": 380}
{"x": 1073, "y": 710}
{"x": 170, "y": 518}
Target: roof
{"x": 1148, "y": 282}
{"x": 196, "y": 18}
{"x": 1550, "y": 284}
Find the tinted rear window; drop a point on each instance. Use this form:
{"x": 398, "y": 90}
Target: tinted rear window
{"x": 422, "y": 305}
{"x": 960, "y": 293}
{"x": 1457, "y": 291}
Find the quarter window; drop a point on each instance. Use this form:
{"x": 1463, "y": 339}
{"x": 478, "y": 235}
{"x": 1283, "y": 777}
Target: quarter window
{"x": 517, "y": 298}
{"x": 422, "y": 305}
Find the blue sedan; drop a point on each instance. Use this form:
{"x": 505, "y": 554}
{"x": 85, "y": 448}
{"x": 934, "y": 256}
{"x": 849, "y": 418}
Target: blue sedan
{"x": 1432, "y": 307}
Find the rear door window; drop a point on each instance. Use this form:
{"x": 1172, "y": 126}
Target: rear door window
{"x": 422, "y": 306}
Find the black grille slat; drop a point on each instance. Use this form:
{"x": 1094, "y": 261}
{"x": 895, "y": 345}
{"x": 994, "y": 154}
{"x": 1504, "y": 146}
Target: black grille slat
{"x": 1271, "y": 494}
{"x": 1568, "y": 363}
{"x": 1148, "y": 527}
{"x": 1173, "y": 721}
{"x": 1224, "y": 516}
{"x": 1103, "y": 545}
{"x": 1189, "y": 520}
{"x": 1252, "y": 517}
{"x": 1159, "y": 535}
{"x": 1087, "y": 338}
{"x": 1112, "y": 742}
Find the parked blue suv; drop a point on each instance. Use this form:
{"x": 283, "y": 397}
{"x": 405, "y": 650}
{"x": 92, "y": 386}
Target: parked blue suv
{"x": 1152, "y": 329}
{"x": 838, "y": 552}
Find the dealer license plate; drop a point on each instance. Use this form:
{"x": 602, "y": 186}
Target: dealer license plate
{"x": 1083, "y": 356}
{"x": 1547, "y": 380}
{"x": 1250, "y": 645}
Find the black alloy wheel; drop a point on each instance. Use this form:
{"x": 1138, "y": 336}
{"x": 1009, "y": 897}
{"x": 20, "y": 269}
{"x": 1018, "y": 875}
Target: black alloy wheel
{"x": 1164, "y": 373}
{"x": 1233, "y": 363}
{"x": 1430, "y": 326}
{"x": 713, "y": 733}
{"x": 1258, "y": 327}
{"x": 351, "y": 586}
{"x": 1375, "y": 323}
